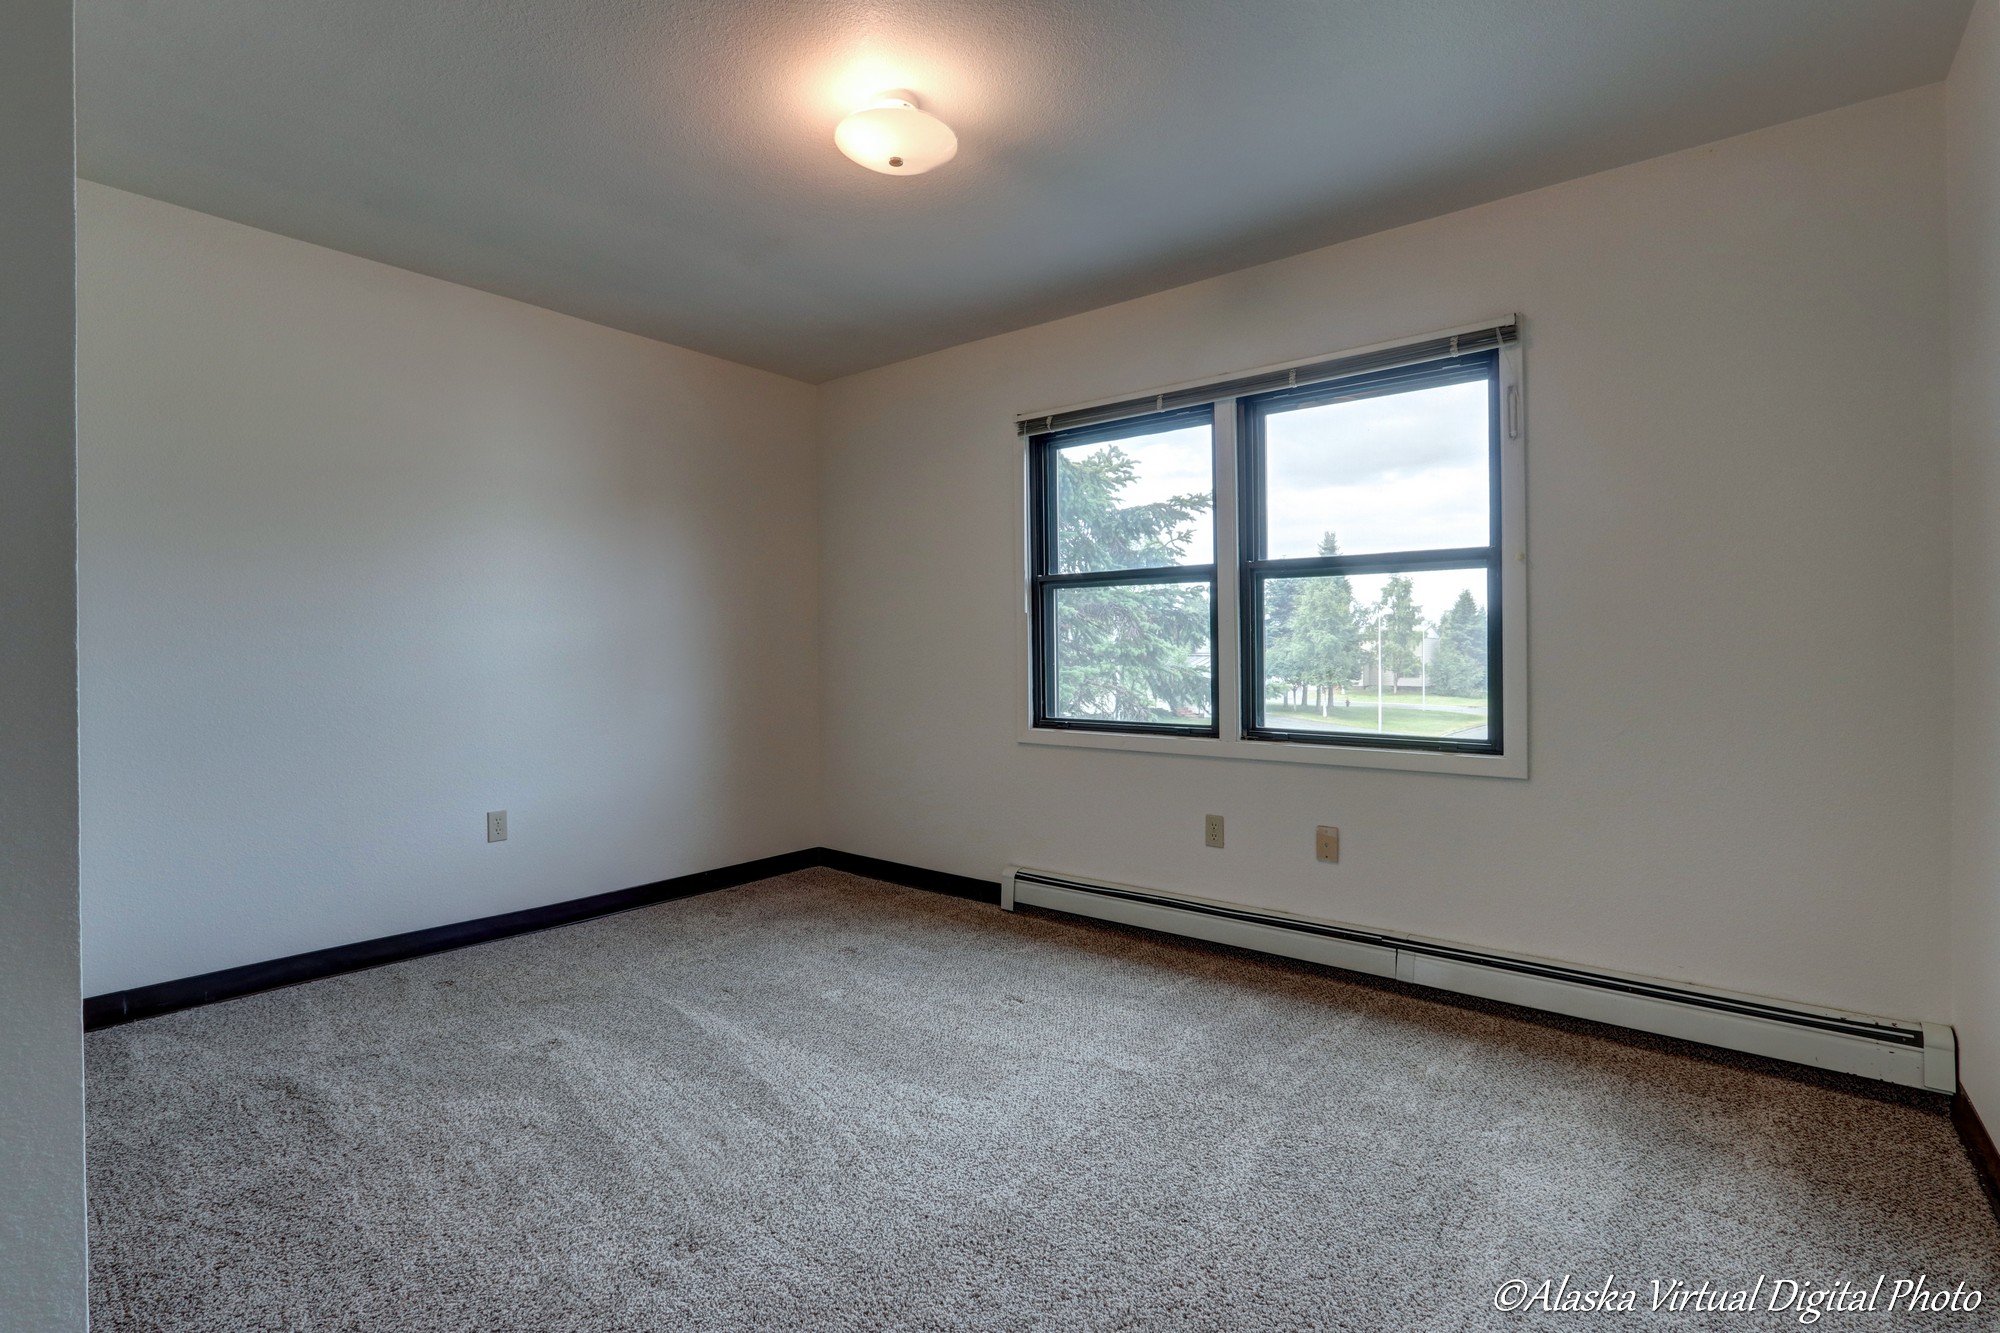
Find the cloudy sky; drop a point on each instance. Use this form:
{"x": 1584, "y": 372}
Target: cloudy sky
{"x": 1175, "y": 462}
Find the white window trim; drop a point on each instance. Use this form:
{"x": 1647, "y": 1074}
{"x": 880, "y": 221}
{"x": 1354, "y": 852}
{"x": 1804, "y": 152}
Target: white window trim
{"x": 1512, "y": 762}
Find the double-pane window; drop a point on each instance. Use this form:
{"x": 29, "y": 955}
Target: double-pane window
{"x": 1362, "y": 554}
{"x": 1370, "y": 522}
{"x": 1124, "y": 596}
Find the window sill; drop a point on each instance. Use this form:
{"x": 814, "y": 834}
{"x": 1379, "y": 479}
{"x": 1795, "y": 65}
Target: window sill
{"x": 1511, "y": 765}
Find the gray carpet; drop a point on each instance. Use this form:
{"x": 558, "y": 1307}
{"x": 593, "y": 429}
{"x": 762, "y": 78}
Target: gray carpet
{"x": 820, "y": 1102}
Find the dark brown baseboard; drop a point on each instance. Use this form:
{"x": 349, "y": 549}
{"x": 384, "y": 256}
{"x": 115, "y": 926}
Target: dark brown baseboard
{"x": 913, "y": 877}
{"x": 1978, "y": 1146}
{"x": 102, "y": 1011}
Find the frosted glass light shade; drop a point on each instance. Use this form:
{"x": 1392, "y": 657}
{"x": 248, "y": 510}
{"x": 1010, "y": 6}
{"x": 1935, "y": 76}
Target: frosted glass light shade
{"x": 893, "y": 136}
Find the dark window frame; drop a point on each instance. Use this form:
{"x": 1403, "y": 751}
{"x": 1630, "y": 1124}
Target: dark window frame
{"x": 1046, "y": 581}
{"x": 1253, "y": 569}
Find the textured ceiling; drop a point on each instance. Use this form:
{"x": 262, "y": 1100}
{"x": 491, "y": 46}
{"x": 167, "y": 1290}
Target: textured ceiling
{"x": 667, "y": 166}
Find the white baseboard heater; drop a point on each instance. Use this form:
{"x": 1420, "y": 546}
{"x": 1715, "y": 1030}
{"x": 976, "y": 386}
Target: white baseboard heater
{"x": 1920, "y": 1055}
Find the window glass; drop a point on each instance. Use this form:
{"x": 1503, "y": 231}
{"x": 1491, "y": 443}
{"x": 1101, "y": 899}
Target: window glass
{"x": 1392, "y": 472}
{"x": 1393, "y": 655}
{"x": 1133, "y": 653}
{"x": 1138, "y": 502}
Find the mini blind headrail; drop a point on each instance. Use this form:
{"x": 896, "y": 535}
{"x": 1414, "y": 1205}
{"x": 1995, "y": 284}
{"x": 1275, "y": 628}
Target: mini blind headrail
{"x": 1440, "y": 348}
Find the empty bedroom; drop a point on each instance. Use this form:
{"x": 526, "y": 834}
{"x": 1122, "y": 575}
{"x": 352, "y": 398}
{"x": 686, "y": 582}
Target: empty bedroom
{"x": 999, "y": 664}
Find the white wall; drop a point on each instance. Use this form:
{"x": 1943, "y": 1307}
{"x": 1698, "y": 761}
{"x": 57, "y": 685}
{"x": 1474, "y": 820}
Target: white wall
{"x": 365, "y": 554}
{"x": 1739, "y": 583}
{"x": 1973, "y": 164}
{"x": 42, "y": 1264}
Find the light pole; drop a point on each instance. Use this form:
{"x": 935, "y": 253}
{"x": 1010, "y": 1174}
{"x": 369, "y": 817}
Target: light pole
{"x": 1426, "y": 649}
{"x": 1381, "y": 619}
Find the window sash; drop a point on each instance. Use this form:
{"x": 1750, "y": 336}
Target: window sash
{"x": 1254, "y": 703}
{"x": 1044, "y": 518}
{"x": 1255, "y": 570}
{"x": 1046, "y": 691}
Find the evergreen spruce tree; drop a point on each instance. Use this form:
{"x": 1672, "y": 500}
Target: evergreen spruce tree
{"x": 1283, "y": 665}
{"x": 1460, "y": 665}
{"x": 1135, "y": 654}
{"x": 1401, "y": 630}
{"x": 1320, "y": 644}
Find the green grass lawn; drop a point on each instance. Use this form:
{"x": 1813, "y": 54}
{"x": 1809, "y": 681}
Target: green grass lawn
{"x": 1402, "y": 715}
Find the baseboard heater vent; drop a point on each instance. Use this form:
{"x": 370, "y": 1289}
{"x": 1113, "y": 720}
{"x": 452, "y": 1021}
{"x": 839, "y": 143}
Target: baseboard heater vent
{"x": 1920, "y": 1055}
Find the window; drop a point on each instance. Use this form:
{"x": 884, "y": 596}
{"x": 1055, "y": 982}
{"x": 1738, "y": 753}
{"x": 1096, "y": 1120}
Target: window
{"x": 1370, "y": 512}
{"x": 1124, "y": 581}
{"x": 1346, "y": 602}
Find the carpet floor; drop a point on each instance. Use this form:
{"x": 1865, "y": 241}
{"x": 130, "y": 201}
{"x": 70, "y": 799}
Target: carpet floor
{"x": 821, "y": 1102}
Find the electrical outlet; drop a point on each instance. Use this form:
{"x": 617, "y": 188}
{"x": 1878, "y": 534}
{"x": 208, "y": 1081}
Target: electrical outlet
{"x": 1326, "y": 843}
{"x": 496, "y": 826}
{"x": 1211, "y": 830}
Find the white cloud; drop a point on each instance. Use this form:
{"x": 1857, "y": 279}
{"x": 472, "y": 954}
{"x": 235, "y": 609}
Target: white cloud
{"x": 1404, "y": 472}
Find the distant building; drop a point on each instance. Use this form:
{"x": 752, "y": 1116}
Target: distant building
{"x": 1427, "y": 651}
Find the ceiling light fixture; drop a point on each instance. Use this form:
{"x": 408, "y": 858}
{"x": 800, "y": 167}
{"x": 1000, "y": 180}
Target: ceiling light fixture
{"x": 893, "y": 136}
